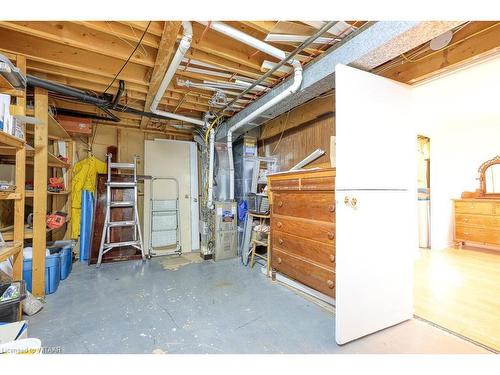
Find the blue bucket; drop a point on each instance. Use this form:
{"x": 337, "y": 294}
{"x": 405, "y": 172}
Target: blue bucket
{"x": 52, "y": 273}
{"x": 66, "y": 255}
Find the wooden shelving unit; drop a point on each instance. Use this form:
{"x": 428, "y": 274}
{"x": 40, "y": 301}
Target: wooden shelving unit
{"x": 14, "y": 146}
{"x": 42, "y": 157}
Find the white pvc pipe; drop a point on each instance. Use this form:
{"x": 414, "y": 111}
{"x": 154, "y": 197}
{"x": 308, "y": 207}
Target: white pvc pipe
{"x": 308, "y": 159}
{"x": 297, "y": 81}
{"x": 184, "y": 45}
{"x": 211, "y": 150}
{"x": 247, "y": 39}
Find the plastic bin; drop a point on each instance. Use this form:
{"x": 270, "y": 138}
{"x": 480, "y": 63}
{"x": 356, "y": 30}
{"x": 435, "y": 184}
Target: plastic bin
{"x": 66, "y": 255}
{"x": 52, "y": 273}
{"x": 9, "y": 310}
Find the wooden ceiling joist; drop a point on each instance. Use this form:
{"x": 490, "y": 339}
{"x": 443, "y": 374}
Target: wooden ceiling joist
{"x": 475, "y": 47}
{"x": 165, "y": 53}
{"x": 78, "y": 36}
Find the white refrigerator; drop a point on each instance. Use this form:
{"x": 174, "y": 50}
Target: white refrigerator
{"x": 376, "y": 217}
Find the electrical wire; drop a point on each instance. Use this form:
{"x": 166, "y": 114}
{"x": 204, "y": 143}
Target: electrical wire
{"x": 128, "y": 59}
{"x": 282, "y": 132}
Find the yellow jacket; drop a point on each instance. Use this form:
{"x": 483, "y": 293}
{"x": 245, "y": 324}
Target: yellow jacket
{"x": 84, "y": 178}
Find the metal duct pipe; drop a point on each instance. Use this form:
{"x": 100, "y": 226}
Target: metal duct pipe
{"x": 211, "y": 151}
{"x": 65, "y": 90}
{"x": 12, "y": 74}
{"x": 184, "y": 45}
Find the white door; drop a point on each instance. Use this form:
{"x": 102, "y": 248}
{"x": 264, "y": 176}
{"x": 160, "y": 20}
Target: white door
{"x": 376, "y": 211}
{"x": 165, "y": 158}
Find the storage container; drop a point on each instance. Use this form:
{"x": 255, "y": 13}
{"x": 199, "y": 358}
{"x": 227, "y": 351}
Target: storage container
{"x": 9, "y": 309}
{"x": 258, "y": 203}
{"x": 66, "y": 255}
{"x": 52, "y": 273}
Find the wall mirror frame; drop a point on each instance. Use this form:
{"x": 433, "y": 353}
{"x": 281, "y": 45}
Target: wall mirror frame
{"x": 483, "y": 178}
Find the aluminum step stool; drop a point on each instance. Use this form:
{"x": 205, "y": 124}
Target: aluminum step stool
{"x": 106, "y": 244}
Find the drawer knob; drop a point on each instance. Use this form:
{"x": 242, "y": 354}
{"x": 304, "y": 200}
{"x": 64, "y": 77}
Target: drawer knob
{"x": 330, "y": 284}
{"x": 331, "y": 235}
{"x": 279, "y": 224}
{"x": 280, "y": 204}
{"x": 281, "y": 241}
{"x": 279, "y": 260}
{"x": 331, "y": 208}
{"x": 332, "y": 258}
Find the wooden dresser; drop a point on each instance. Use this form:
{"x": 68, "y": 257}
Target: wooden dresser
{"x": 477, "y": 221}
{"x": 303, "y": 227}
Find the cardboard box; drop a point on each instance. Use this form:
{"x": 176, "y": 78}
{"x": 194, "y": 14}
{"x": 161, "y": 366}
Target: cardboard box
{"x": 76, "y": 125}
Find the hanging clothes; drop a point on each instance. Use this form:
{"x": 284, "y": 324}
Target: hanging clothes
{"x": 84, "y": 178}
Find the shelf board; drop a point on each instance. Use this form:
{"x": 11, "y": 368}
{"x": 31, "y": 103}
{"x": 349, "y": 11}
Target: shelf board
{"x": 55, "y": 130}
{"x": 28, "y": 233}
{"x": 31, "y": 193}
{"x": 7, "y": 195}
{"x": 11, "y": 141}
{"x": 8, "y": 251}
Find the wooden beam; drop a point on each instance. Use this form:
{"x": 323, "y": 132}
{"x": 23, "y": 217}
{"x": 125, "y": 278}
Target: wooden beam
{"x": 122, "y": 31}
{"x": 476, "y": 47}
{"x": 263, "y": 26}
{"x": 74, "y": 35}
{"x": 165, "y": 53}
{"x": 220, "y": 45}
{"x": 40, "y": 191}
{"x": 17, "y": 266}
{"x": 310, "y": 111}
{"x": 156, "y": 27}
{"x": 42, "y": 50}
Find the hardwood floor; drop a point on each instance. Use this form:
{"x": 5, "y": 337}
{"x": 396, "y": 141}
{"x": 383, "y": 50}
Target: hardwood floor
{"x": 459, "y": 289}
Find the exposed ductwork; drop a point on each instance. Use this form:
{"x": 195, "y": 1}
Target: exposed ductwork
{"x": 211, "y": 151}
{"x": 270, "y": 50}
{"x": 184, "y": 45}
{"x": 297, "y": 80}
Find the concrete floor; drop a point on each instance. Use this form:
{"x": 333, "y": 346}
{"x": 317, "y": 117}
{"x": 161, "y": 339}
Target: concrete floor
{"x": 205, "y": 307}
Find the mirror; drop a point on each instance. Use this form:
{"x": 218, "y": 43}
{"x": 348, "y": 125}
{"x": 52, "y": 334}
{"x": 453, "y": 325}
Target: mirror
{"x": 489, "y": 177}
{"x": 492, "y": 179}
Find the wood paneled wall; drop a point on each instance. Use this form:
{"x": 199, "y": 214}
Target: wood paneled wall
{"x": 303, "y": 138}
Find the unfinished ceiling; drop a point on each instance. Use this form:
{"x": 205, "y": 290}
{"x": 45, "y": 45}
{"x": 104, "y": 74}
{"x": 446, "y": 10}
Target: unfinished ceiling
{"x": 89, "y": 54}
{"x": 96, "y": 55}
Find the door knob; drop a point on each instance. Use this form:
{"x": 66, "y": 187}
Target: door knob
{"x": 332, "y": 258}
{"x": 331, "y": 235}
{"x": 330, "y": 284}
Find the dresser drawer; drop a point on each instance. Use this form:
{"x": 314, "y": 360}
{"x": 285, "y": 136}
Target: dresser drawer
{"x": 477, "y": 220}
{"x": 310, "y": 274}
{"x": 289, "y": 184}
{"x": 497, "y": 208}
{"x": 313, "y": 230}
{"x": 311, "y": 205}
{"x": 318, "y": 183}
{"x": 474, "y": 234}
{"x": 474, "y": 207}
{"x": 317, "y": 252}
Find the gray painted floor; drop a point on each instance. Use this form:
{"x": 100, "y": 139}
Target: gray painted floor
{"x": 207, "y": 307}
